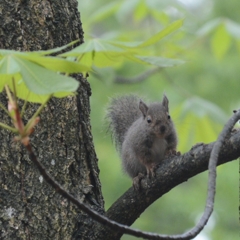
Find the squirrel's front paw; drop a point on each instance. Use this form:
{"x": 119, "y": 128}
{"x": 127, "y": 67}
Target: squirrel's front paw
{"x": 171, "y": 153}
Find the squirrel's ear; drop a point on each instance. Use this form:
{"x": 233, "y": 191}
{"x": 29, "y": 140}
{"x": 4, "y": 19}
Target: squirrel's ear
{"x": 165, "y": 102}
{"x": 143, "y": 107}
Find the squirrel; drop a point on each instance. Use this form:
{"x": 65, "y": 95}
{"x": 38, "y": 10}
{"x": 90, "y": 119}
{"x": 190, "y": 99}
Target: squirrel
{"x": 144, "y": 134}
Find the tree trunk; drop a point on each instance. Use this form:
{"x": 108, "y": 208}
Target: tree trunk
{"x": 29, "y": 207}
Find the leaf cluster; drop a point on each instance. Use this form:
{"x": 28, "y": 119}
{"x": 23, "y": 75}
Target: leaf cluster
{"x": 37, "y": 74}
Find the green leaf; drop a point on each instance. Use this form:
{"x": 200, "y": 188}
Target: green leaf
{"x": 197, "y": 120}
{"x": 40, "y": 80}
{"x": 141, "y": 10}
{"x": 33, "y": 80}
{"x": 57, "y": 64}
{"x": 55, "y": 50}
{"x": 220, "y": 42}
{"x": 8, "y": 65}
{"x": 161, "y": 17}
{"x": 8, "y": 69}
{"x": 152, "y": 40}
{"x": 104, "y": 12}
{"x": 94, "y": 45}
{"x": 24, "y": 93}
{"x": 52, "y": 63}
{"x": 161, "y": 61}
{"x": 97, "y": 52}
{"x": 196, "y": 129}
{"x": 166, "y": 31}
{"x": 210, "y": 127}
{"x": 201, "y": 107}
{"x": 4, "y": 52}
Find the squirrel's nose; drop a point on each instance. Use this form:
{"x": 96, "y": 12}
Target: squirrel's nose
{"x": 162, "y": 129}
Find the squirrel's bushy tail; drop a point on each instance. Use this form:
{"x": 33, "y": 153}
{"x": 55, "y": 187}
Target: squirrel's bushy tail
{"x": 121, "y": 113}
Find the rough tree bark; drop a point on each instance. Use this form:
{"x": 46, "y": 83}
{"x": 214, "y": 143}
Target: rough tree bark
{"x": 29, "y": 208}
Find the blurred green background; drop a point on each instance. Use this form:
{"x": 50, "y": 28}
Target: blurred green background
{"x": 203, "y": 92}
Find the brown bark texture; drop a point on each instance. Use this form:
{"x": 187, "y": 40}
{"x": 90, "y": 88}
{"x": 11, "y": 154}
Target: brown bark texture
{"x": 62, "y": 141}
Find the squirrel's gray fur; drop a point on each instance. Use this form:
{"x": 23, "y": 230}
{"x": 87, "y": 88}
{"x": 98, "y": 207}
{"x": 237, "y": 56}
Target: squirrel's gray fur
{"x": 144, "y": 134}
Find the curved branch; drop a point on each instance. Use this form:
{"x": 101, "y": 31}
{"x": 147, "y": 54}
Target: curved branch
{"x": 139, "y": 78}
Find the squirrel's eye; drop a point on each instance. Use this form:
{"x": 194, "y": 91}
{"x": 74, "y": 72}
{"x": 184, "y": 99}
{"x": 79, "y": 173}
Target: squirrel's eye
{"x": 149, "y": 119}
{"x": 168, "y": 117}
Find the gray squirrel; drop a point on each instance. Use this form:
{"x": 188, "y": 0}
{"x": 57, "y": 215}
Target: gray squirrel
{"x": 144, "y": 134}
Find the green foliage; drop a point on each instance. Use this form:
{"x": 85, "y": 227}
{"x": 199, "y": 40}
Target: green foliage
{"x": 36, "y": 76}
{"x": 105, "y": 53}
{"x": 223, "y": 32}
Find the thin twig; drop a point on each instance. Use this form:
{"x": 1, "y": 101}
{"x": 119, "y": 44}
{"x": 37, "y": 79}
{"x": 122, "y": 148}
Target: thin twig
{"x": 139, "y": 78}
{"x": 25, "y": 104}
{"x": 14, "y": 130}
{"x": 125, "y": 229}
{"x": 37, "y": 113}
